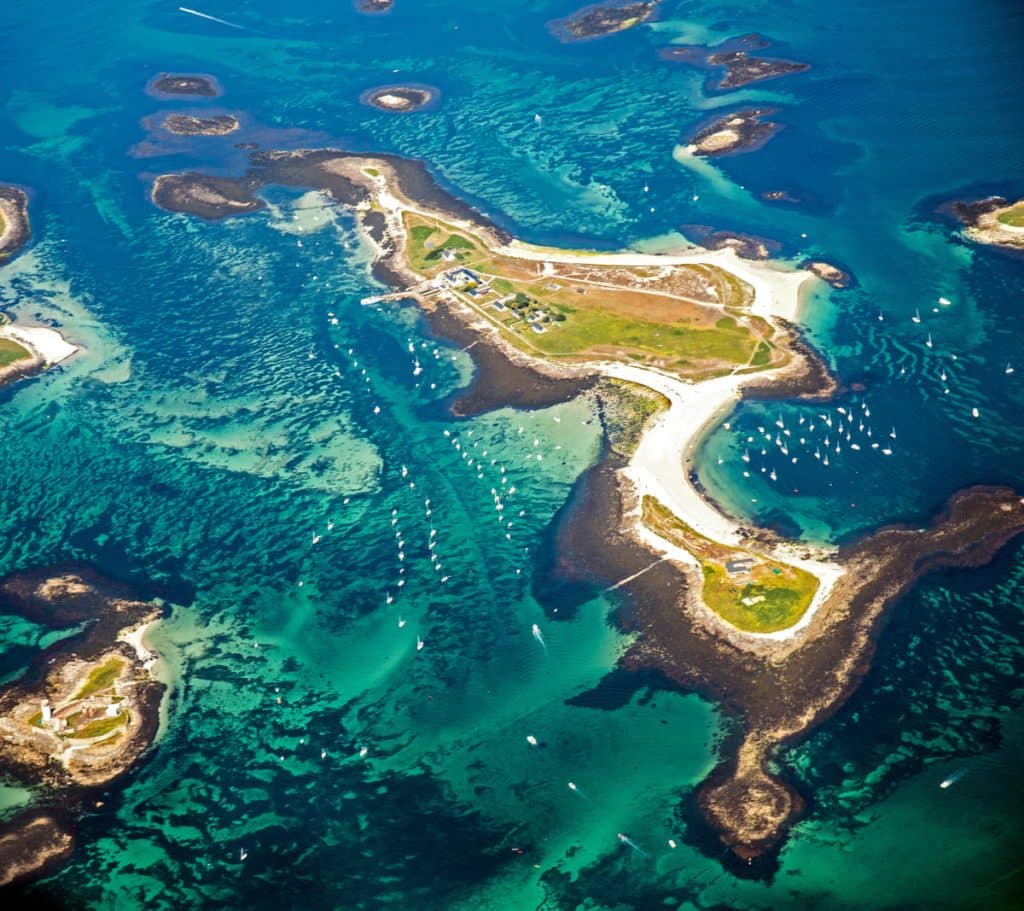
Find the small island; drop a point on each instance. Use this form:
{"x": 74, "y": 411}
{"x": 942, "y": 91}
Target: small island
{"x": 993, "y": 221}
{"x": 741, "y": 68}
{"x": 401, "y": 99}
{"x": 197, "y": 85}
{"x": 14, "y": 225}
{"x": 602, "y": 19}
{"x": 670, "y": 343}
{"x": 780, "y": 196}
{"x": 82, "y": 714}
{"x": 374, "y": 7}
{"x": 190, "y": 125}
{"x": 204, "y": 195}
{"x": 741, "y": 131}
{"x": 836, "y": 277}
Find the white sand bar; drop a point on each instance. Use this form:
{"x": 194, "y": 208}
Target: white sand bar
{"x": 47, "y": 344}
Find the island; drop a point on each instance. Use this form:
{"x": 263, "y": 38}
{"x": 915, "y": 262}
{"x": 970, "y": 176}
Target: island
{"x": 190, "y": 125}
{"x": 205, "y": 195}
{"x": 836, "y": 277}
{"x": 374, "y": 6}
{"x": 14, "y": 225}
{"x": 741, "y": 131}
{"x": 778, "y": 630}
{"x": 602, "y": 19}
{"x": 82, "y": 714}
{"x": 740, "y": 67}
{"x": 993, "y": 221}
{"x": 198, "y": 85}
{"x": 401, "y": 99}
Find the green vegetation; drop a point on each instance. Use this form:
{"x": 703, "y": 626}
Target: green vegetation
{"x": 585, "y": 311}
{"x": 101, "y": 677}
{"x": 36, "y": 720}
{"x": 599, "y": 330}
{"x": 765, "y": 597}
{"x": 101, "y": 726}
{"x": 12, "y": 352}
{"x": 427, "y": 243}
{"x": 762, "y": 356}
{"x": 1014, "y": 216}
{"x": 373, "y": 172}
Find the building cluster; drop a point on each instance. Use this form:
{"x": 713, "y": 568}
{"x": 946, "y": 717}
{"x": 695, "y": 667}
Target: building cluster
{"x": 467, "y": 282}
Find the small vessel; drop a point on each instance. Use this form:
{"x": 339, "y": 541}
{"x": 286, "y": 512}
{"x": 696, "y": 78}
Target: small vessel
{"x": 419, "y": 644}
{"x": 929, "y": 342}
{"x": 945, "y": 301}
{"x": 916, "y": 317}
{"x": 1009, "y": 369}
{"x": 243, "y": 854}
{"x": 952, "y": 779}
{"x": 531, "y": 740}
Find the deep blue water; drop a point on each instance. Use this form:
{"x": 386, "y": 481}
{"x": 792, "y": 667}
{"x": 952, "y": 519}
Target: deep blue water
{"x": 211, "y": 426}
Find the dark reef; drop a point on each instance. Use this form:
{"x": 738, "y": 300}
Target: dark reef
{"x": 186, "y": 84}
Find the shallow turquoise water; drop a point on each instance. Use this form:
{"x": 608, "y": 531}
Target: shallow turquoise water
{"x": 216, "y": 422}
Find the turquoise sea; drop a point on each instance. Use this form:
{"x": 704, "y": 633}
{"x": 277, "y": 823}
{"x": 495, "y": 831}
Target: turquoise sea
{"x": 233, "y": 400}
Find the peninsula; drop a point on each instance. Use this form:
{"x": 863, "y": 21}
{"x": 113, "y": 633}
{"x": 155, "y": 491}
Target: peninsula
{"x": 84, "y": 711}
{"x": 779, "y": 630}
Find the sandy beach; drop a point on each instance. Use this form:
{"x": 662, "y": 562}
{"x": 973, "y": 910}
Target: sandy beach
{"x": 46, "y": 344}
{"x": 661, "y": 465}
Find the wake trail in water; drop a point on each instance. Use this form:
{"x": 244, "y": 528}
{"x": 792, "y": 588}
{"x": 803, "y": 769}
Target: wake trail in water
{"x": 194, "y": 12}
{"x": 539, "y": 637}
{"x": 626, "y": 840}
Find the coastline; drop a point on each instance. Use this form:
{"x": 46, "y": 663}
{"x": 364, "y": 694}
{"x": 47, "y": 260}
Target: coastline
{"x": 14, "y": 216}
{"x": 47, "y": 348}
{"x": 818, "y": 659}
{"x": 96, "y": 703}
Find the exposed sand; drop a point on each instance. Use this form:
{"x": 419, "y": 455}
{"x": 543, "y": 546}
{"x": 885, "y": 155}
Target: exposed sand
{"x": 47, "y": 344}
{"x": 661, "y": 465}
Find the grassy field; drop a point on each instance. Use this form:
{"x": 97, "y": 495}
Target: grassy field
{"x": 100, "y": 726}
{"x": 12, "y": 352}
{"x": 101, "y": 677}
{"x": 1014, "y": 216}
{"x": 682, "y": 319}
{"x": 768, "y": 597}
